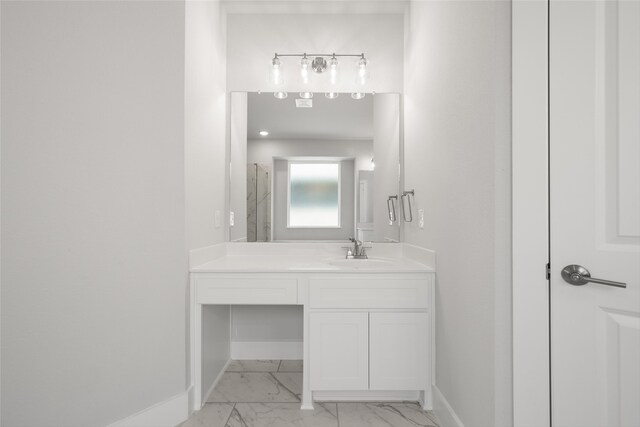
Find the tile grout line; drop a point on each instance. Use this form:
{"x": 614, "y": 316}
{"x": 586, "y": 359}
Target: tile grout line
{"x": 337, "y": 414}
{"x": 285, "y": 387}
{"x": 279, "y": 364}
{"x": 233, "y": 408}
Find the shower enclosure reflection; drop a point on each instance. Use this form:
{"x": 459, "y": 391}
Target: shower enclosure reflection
{"x": 258, "y": 202}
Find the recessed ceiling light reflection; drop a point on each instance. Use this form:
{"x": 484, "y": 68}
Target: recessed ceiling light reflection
{"x": 280, "y": 95}
{"x": 263, "y": 133}
{"x": 331, "y": 95}
{"x": 306, "y": 95}
{"x": 358, "y": 95}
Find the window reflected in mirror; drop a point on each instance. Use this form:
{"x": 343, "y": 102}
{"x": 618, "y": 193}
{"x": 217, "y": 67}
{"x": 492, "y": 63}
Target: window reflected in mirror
{"x": 314, "y": 195}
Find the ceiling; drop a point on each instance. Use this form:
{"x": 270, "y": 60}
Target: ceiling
{"x": 340, "y": 118}
{"x": 316, "y": 6}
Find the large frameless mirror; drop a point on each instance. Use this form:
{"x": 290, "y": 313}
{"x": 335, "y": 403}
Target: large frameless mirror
{"x": 314, "y": 168}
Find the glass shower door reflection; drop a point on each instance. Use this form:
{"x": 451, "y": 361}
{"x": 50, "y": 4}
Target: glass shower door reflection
{"x": 258, "y": 202}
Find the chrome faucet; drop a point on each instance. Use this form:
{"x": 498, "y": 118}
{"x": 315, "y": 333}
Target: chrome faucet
{"x": 358, "y": 252}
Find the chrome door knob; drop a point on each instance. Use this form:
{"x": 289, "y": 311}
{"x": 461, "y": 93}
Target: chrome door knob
{"x": 578, "y": 275}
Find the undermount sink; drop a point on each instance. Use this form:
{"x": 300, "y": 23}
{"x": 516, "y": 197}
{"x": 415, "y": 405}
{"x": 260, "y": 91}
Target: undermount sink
{"x": 360, "y": 263}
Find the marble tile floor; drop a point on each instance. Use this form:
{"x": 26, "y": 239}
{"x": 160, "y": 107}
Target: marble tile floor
{"x": 266, "y": 393}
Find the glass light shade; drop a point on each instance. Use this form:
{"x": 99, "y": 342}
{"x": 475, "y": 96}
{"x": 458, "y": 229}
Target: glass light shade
{"x": 305, "y": 68}
{"x": 306, "y": 95}
{"x": 280, "y": 95}
{"x": 276, "y": 76}
{"x": 358, "y": 95}
{"x": 333, "y": 70}
{"x": 331, "y": 95}
{"x": 362, "y": 72}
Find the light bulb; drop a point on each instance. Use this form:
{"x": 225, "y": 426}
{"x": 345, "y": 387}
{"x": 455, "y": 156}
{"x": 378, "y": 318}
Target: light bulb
{"x": 306, "y": 95}
{"x": 263, "y": 133}
{"x": 358, "y": 95}
{"x": 333, "y": 70}
{"x": 275, "y": 71}
{"x": 280, "y": 95}
{"x": 305, "y": 66}
{"x": 331, "y": 95}
{"x": 362, "y": 74}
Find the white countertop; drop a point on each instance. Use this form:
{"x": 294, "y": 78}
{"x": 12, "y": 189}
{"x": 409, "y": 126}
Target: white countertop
{"x": 288, "y": 264}
{"x": 308, "y": 258}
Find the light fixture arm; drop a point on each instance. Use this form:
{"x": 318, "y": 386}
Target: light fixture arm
{"x": 304, "y": 55}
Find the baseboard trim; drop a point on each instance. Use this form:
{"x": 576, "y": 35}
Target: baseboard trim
{"x": 366, "y": 395}
{"x": 205, "y": 396}
{"x": 168, "y": 413}
{"x": 445, "y": 413}
{"x": 266, "y": 350}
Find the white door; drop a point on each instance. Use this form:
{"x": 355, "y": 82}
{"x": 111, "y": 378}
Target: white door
{"x": 339, "y": 351}
{"x": 398, "y": 347}
{"x": 595, "y": 211}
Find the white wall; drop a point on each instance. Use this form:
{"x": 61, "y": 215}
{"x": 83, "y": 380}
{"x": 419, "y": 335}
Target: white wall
{"x": 238, "y": 161}
{"x": 386, "y": 179}
{"x": 254, "y": 38}
{"x": 457, "y": 151}
{"x": 205, "y": 121}
{"x": 93, "y": 210}
{"x": 205, "y": 159}
{"x": 263, "y": 150}
{"x": 266, "y": 323}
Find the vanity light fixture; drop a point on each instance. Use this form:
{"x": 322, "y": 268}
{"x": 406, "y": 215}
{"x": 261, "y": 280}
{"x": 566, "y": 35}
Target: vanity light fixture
{"x": 358, "y": 95}
{"x": 306, "y": 95}
{"x": 331, "y": 95}
{"x": 280, "y": 95}
{"x": 321, "y": 62}
{"x": 263, "y": 133}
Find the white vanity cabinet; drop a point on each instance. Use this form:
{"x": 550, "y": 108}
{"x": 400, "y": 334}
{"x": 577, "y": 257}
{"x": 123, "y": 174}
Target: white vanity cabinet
{"x": 370, "y": 333}
{"x": 367, "y": 334}
{"x": 368, "y": 351}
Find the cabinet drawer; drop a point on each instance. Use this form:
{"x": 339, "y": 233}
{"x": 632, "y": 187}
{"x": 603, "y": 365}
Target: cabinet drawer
{"x": 368, "y": 293}
{"x": 246, "y": 291}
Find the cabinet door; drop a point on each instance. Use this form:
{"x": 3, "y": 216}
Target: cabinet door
{"x": 338, "y": 356}
{"x": 399, "y": 358}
